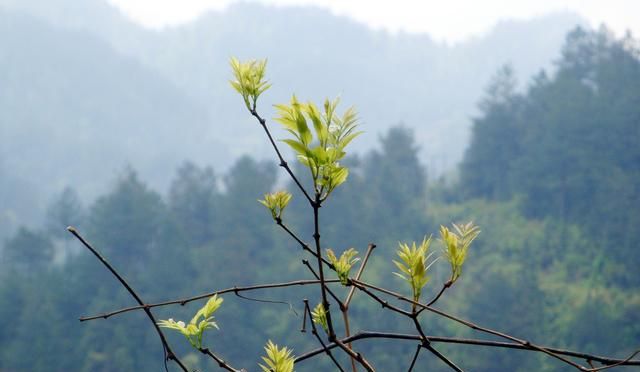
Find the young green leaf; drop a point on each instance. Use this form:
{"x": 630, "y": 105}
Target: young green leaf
{"x": 456, "y": 245}
{"x": 343, "y": 265}
{"x": 333, "y": 134}
{"x": 319, "y": 316}
{"x": 276, "y": 202}
{"x": 277, "y": 359}
{"x": 249, "y": 80}
{"x": 201, "y": 321}
{"x": 413, "y": 265}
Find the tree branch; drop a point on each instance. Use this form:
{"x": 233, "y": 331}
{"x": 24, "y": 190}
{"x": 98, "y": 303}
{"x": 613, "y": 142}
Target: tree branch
{"x": 283, "y": 163}
{"x": 474, "y": 326}
{"x": 169, "y": 354}
{"x": 308, "y": 265}
{"x": 304, "y": 245}
{"x": 415, "y": 358}
{"x": 221, "y": 363}
{"x": 323, "y": 289}
{"x": 476, "y": 342}
{"x": 442, "y": 357}
{"x": 185, "y": 301}
{"x": 370, "y": 249}
{"x": 314, "y": 331}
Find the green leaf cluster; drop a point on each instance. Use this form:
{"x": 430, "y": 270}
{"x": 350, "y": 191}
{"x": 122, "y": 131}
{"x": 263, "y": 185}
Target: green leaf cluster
{"x": 203, "y": 320}
{"x": 456, "y": 244}
{"x": 276, "y": 202}
{"x": 343, "y": 265}
{"x": 333, "y": 133}
{"x": 414, "y": 267}
{"x": 319, "y": 316}
{"x": 277, "y": 359}
{"x": 249, "y": 80}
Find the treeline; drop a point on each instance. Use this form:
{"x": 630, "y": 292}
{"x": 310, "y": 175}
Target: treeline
{"x": 569, "y": 148}
{"x": 208, "y": 233}
{"x": 551, "y": 177}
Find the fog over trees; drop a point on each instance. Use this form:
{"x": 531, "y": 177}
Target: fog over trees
{"x": 135, "y": 137}
{"x": 84, "y": 89}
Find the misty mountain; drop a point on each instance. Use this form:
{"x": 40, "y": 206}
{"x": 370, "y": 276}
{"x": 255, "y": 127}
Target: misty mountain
{"x": 87, "y": 91}
{"x": 390, "y": 78}
{"x": 73, "y": 112}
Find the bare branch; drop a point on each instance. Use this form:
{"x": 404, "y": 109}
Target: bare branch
{"x": 169, "y": 354}
{"x": 474, "y": 326}
{"x": 370, "y": 249}
{"x": 314, "y": 331}
{"x": 415, "y": 358}
{"x": 476, "y": 342}
{"x": 304, "y": 245}
{"x": 283, "y": 163}
{"x": 323, "y": 289}
{"x": 446, "y": 360}
{"x": 221, "y": 363}
{"x": 187, "y": 300}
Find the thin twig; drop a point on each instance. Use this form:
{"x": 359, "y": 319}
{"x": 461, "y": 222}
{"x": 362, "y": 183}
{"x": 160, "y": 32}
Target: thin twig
{"x": 187, "y": 300}
{"x": 345, "y": 305}
{"x": 384, "y": 303}
{"x": 313, "y": 272}
{"x": 352, "y": 290}
{"x": 314, "y": 331}
{"x": 445, "y": 286}
{"x": 415, "y": 358}
{"x": 474, "y": 326}
{"x": 347, "y": 333}
{"x": 221, "y": 362}
{"x": 283, "y": 163}
{"x": 620, "y": 363}
{"x": 268, "y": 302}
{"x": 446, "y": 360}
{"x": 170, "y": 355}
{"x": 359, "y": 357}
{"x": 469, "y": 341}
{"x": 323, "y": 289}
{"x": 416, "y": 323}
{"x": 304, "y": 245}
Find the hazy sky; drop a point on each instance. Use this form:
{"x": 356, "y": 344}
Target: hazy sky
{"x": 449, "y": 20}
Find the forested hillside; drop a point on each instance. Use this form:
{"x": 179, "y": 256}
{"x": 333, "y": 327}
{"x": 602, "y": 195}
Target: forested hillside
{"x": 551, "y": 176}
{"x": 569, "y": 149}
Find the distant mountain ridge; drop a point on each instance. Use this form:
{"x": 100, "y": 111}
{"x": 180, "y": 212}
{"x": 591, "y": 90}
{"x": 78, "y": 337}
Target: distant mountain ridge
{"x": 73, "y": 112}
{"x": 171, "y": 94}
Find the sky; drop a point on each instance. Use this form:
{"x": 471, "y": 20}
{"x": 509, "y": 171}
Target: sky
{"x": 448, "y": 21}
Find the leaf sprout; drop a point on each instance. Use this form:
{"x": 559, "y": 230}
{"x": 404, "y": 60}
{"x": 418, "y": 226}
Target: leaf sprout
{"x": 203, "y": 320}
{"x": 414, "y": 266}
{"x": 333, "y": 134}
{"x": 277, "y": 359}
{"x": 249, "y": 80}
{"x": 456, "y": 244}
{"x": 276, "y": 202}
{"x": 344, "y": 264}
{"x": 319, "y": 316}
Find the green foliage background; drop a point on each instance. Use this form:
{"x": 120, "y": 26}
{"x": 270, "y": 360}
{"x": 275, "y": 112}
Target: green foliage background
{"x": 551, "y": 176}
